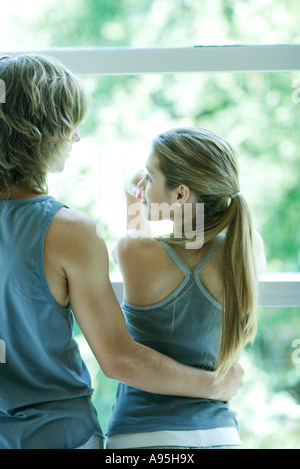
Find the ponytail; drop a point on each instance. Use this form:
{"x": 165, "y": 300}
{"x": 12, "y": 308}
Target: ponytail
{"x": 239, "y": 322}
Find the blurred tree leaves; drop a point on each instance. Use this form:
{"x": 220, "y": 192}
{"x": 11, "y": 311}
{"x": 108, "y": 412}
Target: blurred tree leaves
{"x": 255, "y": 111}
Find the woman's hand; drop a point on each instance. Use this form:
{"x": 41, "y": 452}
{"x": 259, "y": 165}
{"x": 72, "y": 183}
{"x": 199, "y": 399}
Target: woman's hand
{"x": 132, "y": 183}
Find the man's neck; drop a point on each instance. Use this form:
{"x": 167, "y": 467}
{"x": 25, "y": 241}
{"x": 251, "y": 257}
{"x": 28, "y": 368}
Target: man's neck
{"x": 20, "y": 193}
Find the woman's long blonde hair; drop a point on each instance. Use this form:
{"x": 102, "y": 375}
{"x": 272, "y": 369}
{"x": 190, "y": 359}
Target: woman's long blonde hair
{"x": 43, "y": 103}
{"x": 208, "y": 165}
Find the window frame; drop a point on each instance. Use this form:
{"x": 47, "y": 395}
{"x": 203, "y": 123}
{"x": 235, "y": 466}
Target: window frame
{"x": 130, "y": 61}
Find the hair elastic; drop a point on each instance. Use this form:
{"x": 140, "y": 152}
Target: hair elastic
{"x": 236, "y": 194}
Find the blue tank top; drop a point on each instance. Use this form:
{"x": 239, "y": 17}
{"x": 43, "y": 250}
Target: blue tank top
{"x": 186, "y": 327}
{"x": 45, "y": 388}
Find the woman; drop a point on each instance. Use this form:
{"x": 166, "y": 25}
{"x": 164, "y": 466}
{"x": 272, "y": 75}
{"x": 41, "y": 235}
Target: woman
{"x": 196, "y": 304}
{"x": 53, "y": 265}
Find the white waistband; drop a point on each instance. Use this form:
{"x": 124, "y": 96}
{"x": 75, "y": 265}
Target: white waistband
{"x": 227, "y": 436}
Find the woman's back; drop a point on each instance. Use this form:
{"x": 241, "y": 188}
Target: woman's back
{"x": 152, "y": 274}
{"x": 181, "y": 319}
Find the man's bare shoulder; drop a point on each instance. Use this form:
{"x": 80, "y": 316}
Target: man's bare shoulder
{"x": 66, "y": 217}
{"x": 74, "y": 224}
{"x": 74, "y": 234}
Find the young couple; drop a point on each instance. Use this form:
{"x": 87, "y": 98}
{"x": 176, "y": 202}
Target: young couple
{"x": 188, "y": 312}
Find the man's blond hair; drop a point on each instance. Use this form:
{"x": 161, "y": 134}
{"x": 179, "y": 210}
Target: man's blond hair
{"x": 44, "y": 102}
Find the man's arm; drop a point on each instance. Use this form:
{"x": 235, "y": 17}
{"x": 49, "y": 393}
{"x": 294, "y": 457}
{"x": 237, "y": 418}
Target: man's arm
{"x": 84, "y": 260}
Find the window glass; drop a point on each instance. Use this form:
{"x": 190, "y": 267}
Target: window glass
{"x": 257, "y": 112}
{"x": 147, "y": 23}
{"x": 268, "y": 404}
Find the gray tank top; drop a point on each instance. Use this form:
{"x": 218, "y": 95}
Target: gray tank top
{"x": 187, "y": 327}
{"x": 45, "y": 387}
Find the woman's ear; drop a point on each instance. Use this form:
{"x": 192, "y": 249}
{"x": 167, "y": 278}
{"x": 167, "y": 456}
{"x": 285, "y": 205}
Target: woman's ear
{"x": 183, "y": 194}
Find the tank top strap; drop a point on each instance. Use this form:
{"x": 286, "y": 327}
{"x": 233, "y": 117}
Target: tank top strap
{"x": 216, "y": 242}
{"x": 176, "y": 258}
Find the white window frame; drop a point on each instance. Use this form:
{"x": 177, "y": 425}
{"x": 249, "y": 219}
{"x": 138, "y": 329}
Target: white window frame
{"x": 130, "y": 61}
{"x": 276, "y": 289}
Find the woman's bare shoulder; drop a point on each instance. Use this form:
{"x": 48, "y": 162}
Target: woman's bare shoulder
{"x": 259, "y": 250}
{"x": 135, "y": 245}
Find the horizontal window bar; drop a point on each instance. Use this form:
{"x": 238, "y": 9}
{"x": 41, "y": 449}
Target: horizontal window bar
{"x": 280, "y": 289}
{"x": 275, "y": 290}
{"x": 127, "y": 61}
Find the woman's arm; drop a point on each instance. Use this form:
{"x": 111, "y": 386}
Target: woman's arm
{"x": 259, "y": 250}
{"x": 135, "y": 220}
{"x": 84, "y": 259}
